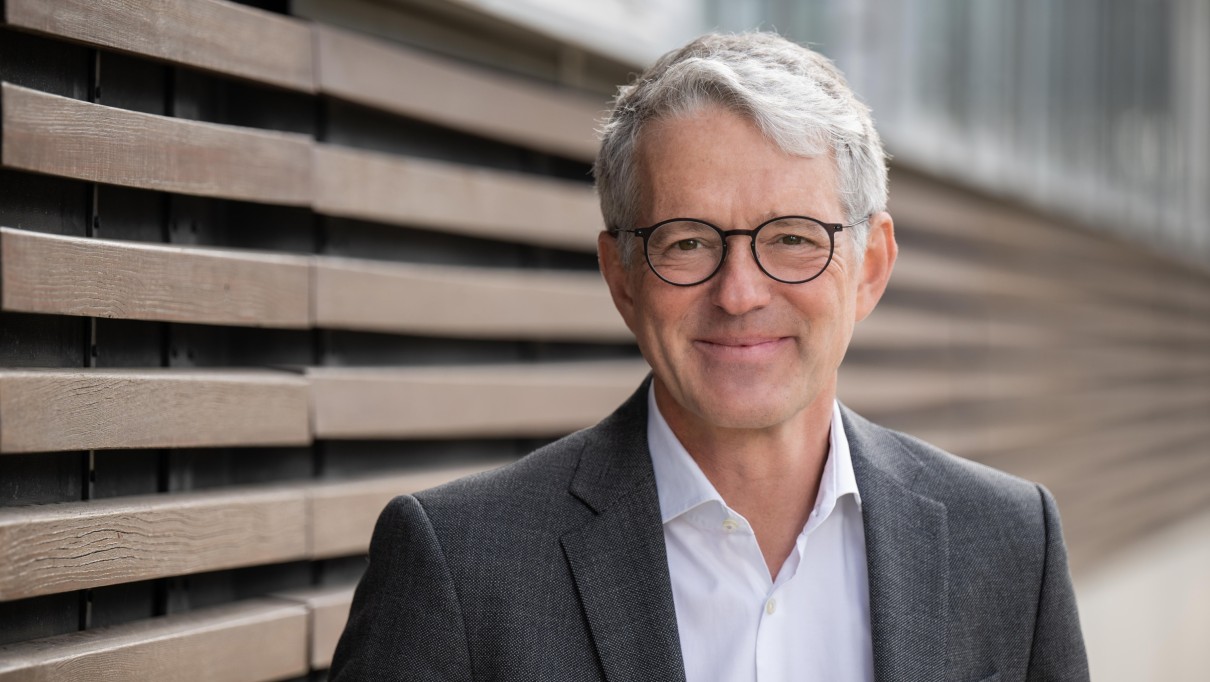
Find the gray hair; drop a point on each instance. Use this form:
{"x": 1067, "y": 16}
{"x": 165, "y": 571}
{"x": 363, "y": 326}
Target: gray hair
{"x": 795, "y": 96}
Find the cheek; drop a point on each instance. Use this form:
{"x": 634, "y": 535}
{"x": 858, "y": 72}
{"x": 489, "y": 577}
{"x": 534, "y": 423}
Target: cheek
{"x": 661, "y": 321}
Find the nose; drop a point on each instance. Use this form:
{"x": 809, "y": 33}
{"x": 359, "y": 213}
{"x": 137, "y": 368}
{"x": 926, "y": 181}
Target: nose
{"x": 740, "y": 285}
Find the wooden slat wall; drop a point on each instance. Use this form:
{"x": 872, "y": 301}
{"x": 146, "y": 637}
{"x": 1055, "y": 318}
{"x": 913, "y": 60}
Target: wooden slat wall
{"x": 435, "y": 402}
{"x": 207, "y": 34}
{"x": 87, "y": 409}
{"x": 42, "y": 273}
{"x": 451, "y": 301}
{"x": 77, "y": 545}
{"x": 62, "y": 136}
{"x": 248, "y": 641}
{"x": 450, "y": 197}
{"x": 343, "y": 514}
{"x": 337, "y": 322}
{"x": 386, "y": 77}
{"x": 328, "y": 611}
{"x": 131, "y": 540}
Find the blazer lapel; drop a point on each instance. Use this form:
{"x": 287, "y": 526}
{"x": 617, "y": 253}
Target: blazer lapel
{"x": 907, "y": 556}
{"x": 617, "y": 558}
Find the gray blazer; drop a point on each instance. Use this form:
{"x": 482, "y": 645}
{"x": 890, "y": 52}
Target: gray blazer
{"x": 553, "y": 568}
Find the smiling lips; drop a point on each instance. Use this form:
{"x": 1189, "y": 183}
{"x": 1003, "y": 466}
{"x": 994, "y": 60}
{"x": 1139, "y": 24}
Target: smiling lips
{"x": 742, "y": 348}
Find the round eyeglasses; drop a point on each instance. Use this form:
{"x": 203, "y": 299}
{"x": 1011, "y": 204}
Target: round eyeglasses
{"x": 792, "y": 249}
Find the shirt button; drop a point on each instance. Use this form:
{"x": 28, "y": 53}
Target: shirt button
{"x": 771, "y": 606}
{"x": 730, "y": 526}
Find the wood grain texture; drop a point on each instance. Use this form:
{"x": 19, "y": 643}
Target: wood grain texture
{"x": 343, "y": 514}
{"x": 76, "y": 545}
{"x": 223, "y": 37}
{"x": 248, "y": 641}
{"x": 465, "y": 302}
{"x": 455, "y": 198}
{"x": 41, "y": 273}
{"x": 60, "y": 547}
{"x": 66, "y": 137}
{"x": 494, "y": 105}
{"x": 544, "y": 399}
{"x": 327, "y": 613}
{"x": 47, "y": 410}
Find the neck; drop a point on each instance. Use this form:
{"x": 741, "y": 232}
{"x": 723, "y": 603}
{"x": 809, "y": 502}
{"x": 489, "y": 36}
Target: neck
{"x": 770, "y": 475}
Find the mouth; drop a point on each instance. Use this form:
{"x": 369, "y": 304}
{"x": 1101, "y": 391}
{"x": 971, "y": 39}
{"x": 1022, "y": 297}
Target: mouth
{"x": 742, "y": 348}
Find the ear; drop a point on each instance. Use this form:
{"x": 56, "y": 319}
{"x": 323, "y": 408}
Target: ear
{"x": 880, "y": 254}
{"x": 616, "y": 275}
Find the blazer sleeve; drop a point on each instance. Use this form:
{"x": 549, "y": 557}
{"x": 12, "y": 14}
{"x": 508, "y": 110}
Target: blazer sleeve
{"x": 1057, "y": 652}
{"x": 405, "y": 622}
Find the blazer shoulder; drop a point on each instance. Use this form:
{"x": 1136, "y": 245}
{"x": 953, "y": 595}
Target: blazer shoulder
{"x": 1005, "y": 539}
{"x": 965, "y": 486}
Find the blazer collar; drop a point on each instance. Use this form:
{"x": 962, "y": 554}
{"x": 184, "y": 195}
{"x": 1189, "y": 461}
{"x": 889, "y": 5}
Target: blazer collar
{"x": 617, "y": 558}
{"x": 620, "y": 567}
{"x": 907, "y": 556}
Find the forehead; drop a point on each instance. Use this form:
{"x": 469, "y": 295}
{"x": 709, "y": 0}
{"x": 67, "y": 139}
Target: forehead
{"x": 716, "y": 165}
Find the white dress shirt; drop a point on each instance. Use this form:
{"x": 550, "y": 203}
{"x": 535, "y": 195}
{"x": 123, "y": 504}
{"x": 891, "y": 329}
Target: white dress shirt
{"x": 736, "y": 622}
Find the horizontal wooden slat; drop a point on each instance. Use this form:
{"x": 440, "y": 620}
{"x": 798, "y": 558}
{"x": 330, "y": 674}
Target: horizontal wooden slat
{"x": 76, "y": 545}
{"x": 343, "y": 514}
{"x": 249, "y": 641}
{"x": 327, "y": 613}
{"x": 455, "y": 198}
{"x": 66, "y": 137}
{"x": 223, "y": 37}
{"x": 429, "y": 402}
{"x": 129, "y": 280}
{"x": 41, "y": 273}
{"x": 464, "y": 302}
{"x": 43, "y": 410}
{"x": 55, "y": 548}
{"x": 494, "y": 105}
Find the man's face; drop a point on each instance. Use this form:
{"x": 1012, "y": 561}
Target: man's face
{"x": 740, "y": 351}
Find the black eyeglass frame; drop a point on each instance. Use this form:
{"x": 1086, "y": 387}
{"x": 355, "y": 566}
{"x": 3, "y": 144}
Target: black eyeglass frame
{"x": 830, "y": 228}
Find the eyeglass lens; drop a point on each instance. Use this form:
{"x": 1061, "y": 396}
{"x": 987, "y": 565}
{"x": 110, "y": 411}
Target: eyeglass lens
{"x": 789, "y": 249}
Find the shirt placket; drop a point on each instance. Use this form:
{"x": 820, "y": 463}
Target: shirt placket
{"x": 777, "y": 619}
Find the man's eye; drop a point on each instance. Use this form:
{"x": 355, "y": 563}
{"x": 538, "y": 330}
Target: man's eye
{"x": 687, "y": 245}
{"x": 792, "y": 240}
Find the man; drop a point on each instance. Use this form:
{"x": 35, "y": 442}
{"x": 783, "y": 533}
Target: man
{"x": 731, "y": 521}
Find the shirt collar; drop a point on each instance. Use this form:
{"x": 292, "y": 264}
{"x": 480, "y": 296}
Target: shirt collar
{"x": 682, "y": 487}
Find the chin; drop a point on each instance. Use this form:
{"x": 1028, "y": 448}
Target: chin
{"x": 756, "y": 400}
{"x": 734, "y": 411}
